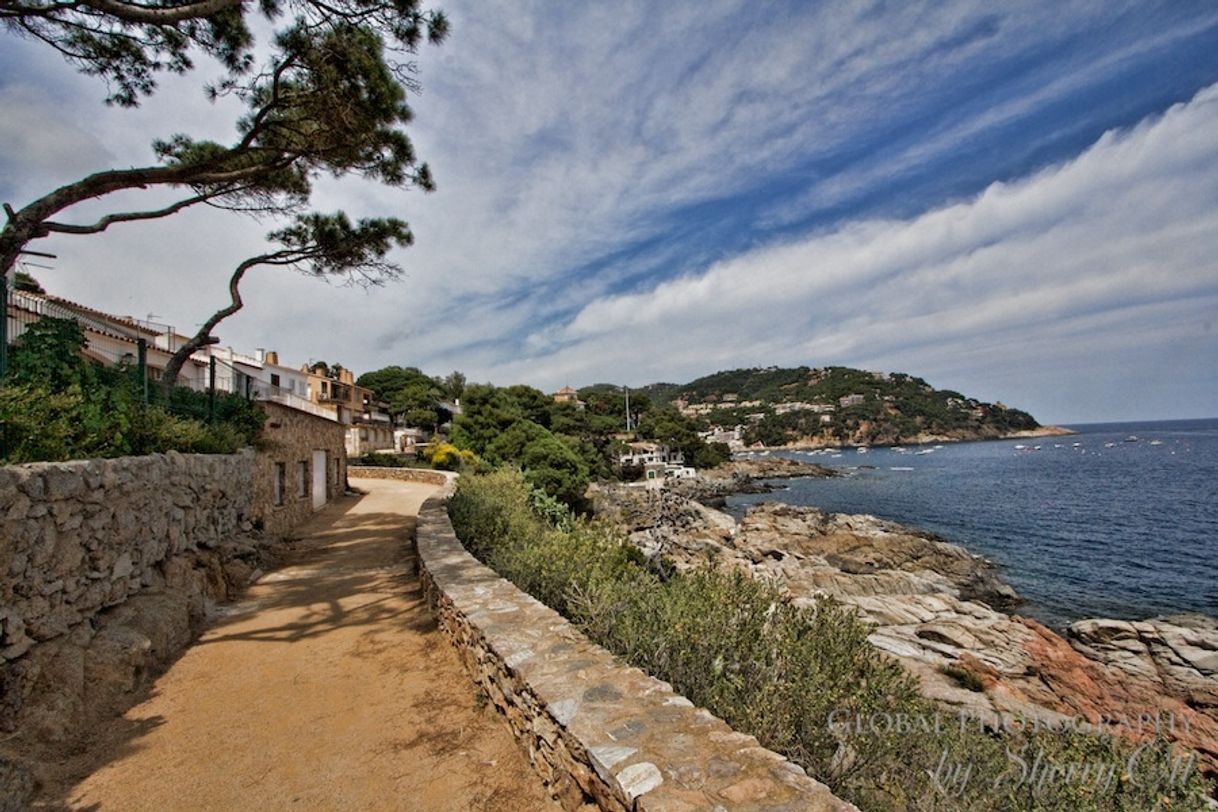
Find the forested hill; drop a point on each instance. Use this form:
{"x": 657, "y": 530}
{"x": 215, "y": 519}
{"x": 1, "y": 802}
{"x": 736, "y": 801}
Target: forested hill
{"x": 838, "y": 405}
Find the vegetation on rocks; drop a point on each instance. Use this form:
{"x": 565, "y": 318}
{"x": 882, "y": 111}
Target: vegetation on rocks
{"x": 804, "y": 680}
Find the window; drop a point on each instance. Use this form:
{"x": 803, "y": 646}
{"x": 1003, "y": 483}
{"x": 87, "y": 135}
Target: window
{"x": 277, "y": 485}
{"x": 274, "y": 380}
{"x": 302, "y": 478}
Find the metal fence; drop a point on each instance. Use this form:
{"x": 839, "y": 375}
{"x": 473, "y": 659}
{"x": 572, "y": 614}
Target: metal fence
{"x": 119, "y": 341}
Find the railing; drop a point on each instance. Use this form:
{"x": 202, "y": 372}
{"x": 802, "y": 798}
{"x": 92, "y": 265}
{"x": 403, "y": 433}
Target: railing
{"x": 23, "y": 308}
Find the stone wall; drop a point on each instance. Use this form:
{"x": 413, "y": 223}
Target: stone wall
{"x": 82, "y": 536}
{"x": 290, "y": 439}
{"x": 108, "y": 568}
{"x": 595, "y": 730}
{"x": 426, "y": 475}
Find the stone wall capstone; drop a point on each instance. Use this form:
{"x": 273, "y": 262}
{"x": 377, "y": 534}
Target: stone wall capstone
{"x": 426, "y": 475}
{"x": 595, "y": 730}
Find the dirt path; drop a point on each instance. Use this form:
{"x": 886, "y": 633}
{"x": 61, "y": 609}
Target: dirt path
{"x": 327, "y": 687}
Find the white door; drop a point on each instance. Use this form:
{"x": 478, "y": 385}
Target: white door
{"x": 319, "y": 479}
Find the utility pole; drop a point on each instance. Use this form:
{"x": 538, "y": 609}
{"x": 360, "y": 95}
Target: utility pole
{"x": 627, "y": 388}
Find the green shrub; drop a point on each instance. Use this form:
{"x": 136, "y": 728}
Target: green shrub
{"x": 379, "y": 459}
{"x": 802, "y": 678}
{"x": 56, "y": 404}
{"x": 963, "y": 677}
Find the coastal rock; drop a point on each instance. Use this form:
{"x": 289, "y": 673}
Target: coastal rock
{"x": 911, "y": 561}
{"x": 1178, "y": 652}
{"x": 939, "y": 610}
{"x": 712, "y": 486}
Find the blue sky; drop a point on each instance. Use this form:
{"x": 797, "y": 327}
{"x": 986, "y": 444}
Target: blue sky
{"x": 1017, "y": 201}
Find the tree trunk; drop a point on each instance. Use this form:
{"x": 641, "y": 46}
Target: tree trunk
{"x": 203, "y": 337}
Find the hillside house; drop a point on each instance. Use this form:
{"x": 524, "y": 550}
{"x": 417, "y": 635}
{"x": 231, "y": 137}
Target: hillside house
{"x": 370, "y": 426}
{"x": 641, "y": 454}
{"x": 569, "y": 395}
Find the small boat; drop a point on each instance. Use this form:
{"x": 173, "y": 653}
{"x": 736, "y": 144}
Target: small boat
{"x": 1133, "y": 438}
{"x": 899, "y": 468}
{"x": 1156, "y": 442}
{"x": 924, "y": 451}
{"x": 1109, "y": 445}
{"x": 1020, "y": 447}
{"x": 862, "y": 449}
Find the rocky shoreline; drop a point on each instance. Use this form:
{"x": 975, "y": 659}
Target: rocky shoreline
{"x": 866, "y": 436}
{"x": 945, "y": 613}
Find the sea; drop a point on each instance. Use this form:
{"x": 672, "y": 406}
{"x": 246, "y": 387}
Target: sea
{"x": 1119, "y": 520}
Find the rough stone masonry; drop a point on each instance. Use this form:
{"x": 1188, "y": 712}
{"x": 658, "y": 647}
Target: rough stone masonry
{"x": 107, "y": 570}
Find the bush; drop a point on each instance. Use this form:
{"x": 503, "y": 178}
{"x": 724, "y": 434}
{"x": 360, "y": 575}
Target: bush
{"x": 803, "y": 679}
{"x": 57, "y": 405}
{"x": 379, "y": 459}
{"x": 447, "y": 457}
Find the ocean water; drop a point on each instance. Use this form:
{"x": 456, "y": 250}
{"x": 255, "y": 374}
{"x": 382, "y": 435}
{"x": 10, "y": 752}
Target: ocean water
{"x": 1091, "y": 525}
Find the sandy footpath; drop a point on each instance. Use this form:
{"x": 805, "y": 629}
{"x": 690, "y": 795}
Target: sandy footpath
{"x": 327, "y": 687}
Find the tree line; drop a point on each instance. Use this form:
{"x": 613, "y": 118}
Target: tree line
{"x": 560, "y": 446}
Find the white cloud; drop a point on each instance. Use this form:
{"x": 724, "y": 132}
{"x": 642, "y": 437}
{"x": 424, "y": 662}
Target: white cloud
{"x": 563, "y": 133}
{"x": 1109, "y": 253}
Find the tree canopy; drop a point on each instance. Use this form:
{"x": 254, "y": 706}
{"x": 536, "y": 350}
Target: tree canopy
{"x": 315, "y": 244}
{"x": 128, "y": 44}
{"x": 329, "y": 100}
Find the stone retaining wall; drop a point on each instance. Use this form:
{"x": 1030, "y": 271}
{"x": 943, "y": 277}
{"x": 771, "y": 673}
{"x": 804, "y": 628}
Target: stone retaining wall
{"x": 82, "y": 536}
{"x": 108, "y": 569}
{"x": 596, "y": 731}
{"x": 426, "y": 475}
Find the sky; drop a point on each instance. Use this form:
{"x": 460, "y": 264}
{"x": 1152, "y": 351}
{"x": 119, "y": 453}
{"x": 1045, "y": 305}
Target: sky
{"x": 1016, "y": 201}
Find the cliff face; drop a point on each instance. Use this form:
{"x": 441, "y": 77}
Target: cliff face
{"x": 937, "y": 608}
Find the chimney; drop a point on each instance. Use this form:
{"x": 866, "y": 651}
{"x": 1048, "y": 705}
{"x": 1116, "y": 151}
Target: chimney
{"x": 260, "y": 354}
{"x": 272, "y": 357}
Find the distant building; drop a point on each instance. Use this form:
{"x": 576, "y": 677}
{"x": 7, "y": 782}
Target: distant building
{"x": 569, "y": 395}
{"x": 851, "y": 400}
{"x": 643, "y": 454}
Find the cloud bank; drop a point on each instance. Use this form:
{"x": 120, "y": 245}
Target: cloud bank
{"x": 1088, "y": 263}
{"x": 656, "y": 192}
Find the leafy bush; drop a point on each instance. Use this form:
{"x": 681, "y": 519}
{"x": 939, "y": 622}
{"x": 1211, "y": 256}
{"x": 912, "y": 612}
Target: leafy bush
{"x": 380, "y": 459}
{"x": 447, "y": 457}
{"x": 803, "y": 679}
{"x": 56, "y": 404}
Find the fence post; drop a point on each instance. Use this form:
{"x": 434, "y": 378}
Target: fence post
{"x": 4, "y": 326}
{"x": 211, "y": 390}
{"x": 142, "y": 359}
